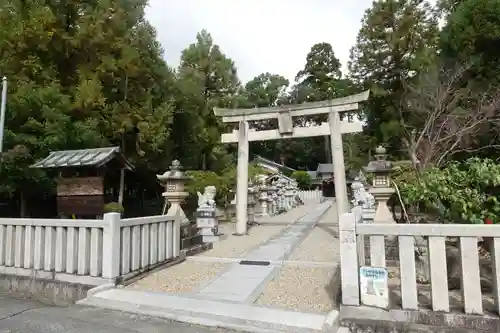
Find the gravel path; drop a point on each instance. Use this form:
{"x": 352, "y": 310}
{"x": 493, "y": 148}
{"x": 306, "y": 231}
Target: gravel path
{"x": 320, "y": 245}
{"x": 180, "y": 278}
{"x": 301, "y": 289}
{"x": 288, "y": 217}
{"x": 236, "y": 246}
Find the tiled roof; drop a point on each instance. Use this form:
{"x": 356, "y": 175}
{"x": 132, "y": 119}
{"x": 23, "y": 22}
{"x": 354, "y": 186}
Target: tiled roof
{"x": 84, "y": 157}
{"x": 325, "y": 168}
{"x": 260, "y": 159}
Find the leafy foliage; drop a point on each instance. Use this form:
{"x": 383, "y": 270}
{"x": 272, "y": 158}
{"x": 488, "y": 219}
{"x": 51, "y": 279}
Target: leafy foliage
{"x": 225, "y": 182}
{"x": 464, "y": 192}
{"x": 397, "y": 39}
{"x": 303, "y": 179}
{"x": 113, "y": 207}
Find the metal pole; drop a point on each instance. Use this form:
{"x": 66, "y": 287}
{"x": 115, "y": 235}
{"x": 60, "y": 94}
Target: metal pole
{"x": 2, "y": 110}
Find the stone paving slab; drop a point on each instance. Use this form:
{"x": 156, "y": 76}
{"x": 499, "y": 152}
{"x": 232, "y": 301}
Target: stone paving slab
{"x": 241, "y": 316}
{"x": 281, "y": 245}
{"x": 251, "y": 278}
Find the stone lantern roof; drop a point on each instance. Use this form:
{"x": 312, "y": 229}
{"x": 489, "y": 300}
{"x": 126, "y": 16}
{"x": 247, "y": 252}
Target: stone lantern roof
{"x": 380, "y": 164}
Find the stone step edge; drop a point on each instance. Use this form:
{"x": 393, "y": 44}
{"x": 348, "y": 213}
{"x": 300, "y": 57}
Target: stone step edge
{"x": 232, "y": 315}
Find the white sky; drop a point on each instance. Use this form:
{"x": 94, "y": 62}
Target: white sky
{"x": 259, "y": 35}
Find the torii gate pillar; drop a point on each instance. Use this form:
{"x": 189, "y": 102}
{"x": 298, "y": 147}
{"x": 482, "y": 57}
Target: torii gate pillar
{"x": 242, "y": 179}
{"x": 338, "y": 163}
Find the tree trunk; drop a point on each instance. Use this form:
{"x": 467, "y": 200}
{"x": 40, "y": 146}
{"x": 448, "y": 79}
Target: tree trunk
{"x": 328, "y": 153}
{"x": 22, "y": 205}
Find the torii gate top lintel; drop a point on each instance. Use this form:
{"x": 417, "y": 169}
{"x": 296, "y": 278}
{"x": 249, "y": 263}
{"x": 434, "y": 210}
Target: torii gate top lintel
{"x": 347, "y": 103}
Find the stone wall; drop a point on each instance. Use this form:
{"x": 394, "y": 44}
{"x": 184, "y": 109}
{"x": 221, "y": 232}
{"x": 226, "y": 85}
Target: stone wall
{"x": 43, "y": 290}
{"x": 366, "y": 319}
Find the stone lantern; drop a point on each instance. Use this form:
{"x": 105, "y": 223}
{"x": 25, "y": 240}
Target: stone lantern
{"x": 271, "y": 195}
{"x": 289, "y": 196}
{"x": 251, "y": 204}
{"x": 174, "y": 182}
{"x": 381, "y": 185}
{"x": 280, "y": 202}
{"x": 263, "y": 198}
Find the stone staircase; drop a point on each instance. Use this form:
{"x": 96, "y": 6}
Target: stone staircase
{"x": 191, "y": 241}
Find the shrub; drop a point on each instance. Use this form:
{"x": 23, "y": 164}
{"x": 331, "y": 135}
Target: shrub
{"x": 466, "y": 192}
{"x": 113, "y": 207}
{"x": 303, "y": 179}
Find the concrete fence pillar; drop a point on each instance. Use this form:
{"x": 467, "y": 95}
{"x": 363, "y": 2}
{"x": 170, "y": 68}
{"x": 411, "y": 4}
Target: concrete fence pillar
{"x": 349, "y": 259}
{"x": 111, "y": 255}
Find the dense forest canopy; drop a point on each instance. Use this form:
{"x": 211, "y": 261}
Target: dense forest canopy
{"x": 90, "y": 73}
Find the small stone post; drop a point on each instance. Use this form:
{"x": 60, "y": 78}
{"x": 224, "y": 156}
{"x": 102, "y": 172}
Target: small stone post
{"x": 174, "y": 182}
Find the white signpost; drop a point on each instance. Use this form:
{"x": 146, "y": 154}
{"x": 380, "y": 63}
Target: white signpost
{"x": 374, "y": 286}
{"x": 335, "y": 128}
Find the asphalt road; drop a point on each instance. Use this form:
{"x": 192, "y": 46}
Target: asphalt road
{"x": 24, "y": 316}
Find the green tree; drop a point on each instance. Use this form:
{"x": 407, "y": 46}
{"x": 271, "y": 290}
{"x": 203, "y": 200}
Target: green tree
{"x": 265, "y": 90}
{"x": 472, "y": 36}
{"x": 84, "y": 74}
{"x": 397, "y": 39}
{"x": 206, "y": 79}
{"x": 320, "y": 79}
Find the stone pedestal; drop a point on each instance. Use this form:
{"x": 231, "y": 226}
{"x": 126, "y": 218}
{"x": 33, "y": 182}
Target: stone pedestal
{"x": 208, "y": 225}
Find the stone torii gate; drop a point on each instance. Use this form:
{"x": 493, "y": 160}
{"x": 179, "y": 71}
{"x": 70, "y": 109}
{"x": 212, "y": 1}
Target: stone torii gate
{"x": 335, "y": 128}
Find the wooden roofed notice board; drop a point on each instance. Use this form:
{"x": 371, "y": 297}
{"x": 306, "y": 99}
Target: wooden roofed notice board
{"x": 81, "y": 184}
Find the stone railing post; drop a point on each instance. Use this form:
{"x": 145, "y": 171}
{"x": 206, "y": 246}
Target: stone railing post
{"x": 349, "y": 259}
{"x": 111, "y": 255}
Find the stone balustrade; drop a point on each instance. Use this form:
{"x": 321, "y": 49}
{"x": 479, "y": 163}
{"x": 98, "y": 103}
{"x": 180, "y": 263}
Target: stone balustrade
{"x": 469, "y": 270}
{"x": 91, "y": 252}
{"x": 436, "y": 266}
